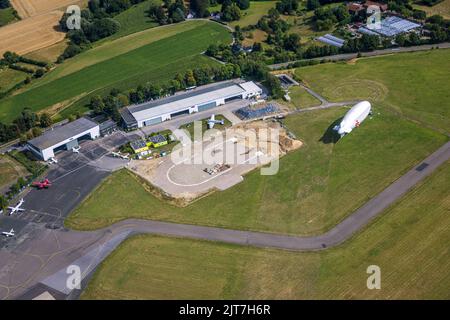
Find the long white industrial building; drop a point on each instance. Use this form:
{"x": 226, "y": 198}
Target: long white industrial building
{"x": 64, "y": 137}
{"x": 196, "y": 100}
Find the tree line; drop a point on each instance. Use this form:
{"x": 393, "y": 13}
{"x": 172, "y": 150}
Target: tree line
{"x": 96, "y": 23}
{"x": 27, "y": 126}
{"x": 115, "y": 100}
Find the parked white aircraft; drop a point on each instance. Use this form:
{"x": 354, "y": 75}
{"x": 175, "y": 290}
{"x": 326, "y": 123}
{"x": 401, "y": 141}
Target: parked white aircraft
{"x": 52, "y": 160}
{"x": 353, "y": 118}
{"x": 212, "y": 121}
{"x": 16, "y": 208}
{"x": 11, "y": 233}
{"x": 76, "y": 150}
{"x": 120, "y": 155}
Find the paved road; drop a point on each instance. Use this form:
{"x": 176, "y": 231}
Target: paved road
{"x": 40, "y": 265}
{"x": 349, "y": 56}
{"x": 36, "y": 260}
{"x": 335, "y": 236}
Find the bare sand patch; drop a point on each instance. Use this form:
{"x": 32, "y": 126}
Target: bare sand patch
{"x": 185, "y": 181}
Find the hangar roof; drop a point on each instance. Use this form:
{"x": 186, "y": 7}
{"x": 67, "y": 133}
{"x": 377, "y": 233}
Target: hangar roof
{"x": 187, "y": 99}
{"x": 60, "y": 133}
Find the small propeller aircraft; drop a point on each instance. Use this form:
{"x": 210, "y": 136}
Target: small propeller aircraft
{"x": 44, "y": 184}
{"x": 212, "y": 121}
{"x": 76, "y": 150}
{"x": 16, "y": 208}
{"x": 52, "y": 160}
{"x": 120, "y": 155}
{"x": 11, "y": 233}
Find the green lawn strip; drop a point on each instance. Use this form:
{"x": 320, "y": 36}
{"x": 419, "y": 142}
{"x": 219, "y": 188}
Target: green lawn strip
{"x": 189, "y": 127}
{"x": 413, "y": 84}
{"x": 123, "y": 68}
{"x": 409, "y": 242}
{"x": 315, "y": 188}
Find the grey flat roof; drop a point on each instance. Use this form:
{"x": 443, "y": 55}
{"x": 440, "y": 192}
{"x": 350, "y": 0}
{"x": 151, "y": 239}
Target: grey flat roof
{"x": 184, "y": 100}
{"x": 128, "y": 117}
{"x": 61, "y": 133}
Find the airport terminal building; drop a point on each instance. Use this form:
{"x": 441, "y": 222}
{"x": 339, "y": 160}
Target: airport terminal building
{"x": 187, "y": 102}
{"x": 64, "y": 137}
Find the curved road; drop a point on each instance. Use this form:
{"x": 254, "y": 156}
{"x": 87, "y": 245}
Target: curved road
{"x": 349, "y": 56}
{"x": 41, "y": 265}
{"x": 341, "y": 232}
{"x": 88, "y": 249}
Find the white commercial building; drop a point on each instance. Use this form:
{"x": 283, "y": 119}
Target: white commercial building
{"x": 64, "y": 137}
{"x": 195, "y": 100}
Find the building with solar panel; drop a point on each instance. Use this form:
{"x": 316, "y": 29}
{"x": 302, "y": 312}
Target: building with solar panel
{"x": 331, "y": 40}
{"x": 195, "y": 100}
{"x": 390, "y": 27}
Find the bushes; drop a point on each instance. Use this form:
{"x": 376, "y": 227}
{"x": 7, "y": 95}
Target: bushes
{"x": 230, "y": 11}
{"x": 28, "y": 122}
{"x": 4, "y": 4}
{"x": 96, "y": 24}
{"x": 287, "y": 6}
{"x": 21, "y": 68}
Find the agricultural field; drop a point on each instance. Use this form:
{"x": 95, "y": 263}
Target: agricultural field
{"x": 31, "y": 34}
{"x": 316, "y": 186}
{"x": 121, "y": 46}
{"x": 412, "y": 253}
{"x": 29, "y": 8}
{"x": 121, "y": 68}
{"x": 413, "y": 84}
{"x": 133, "y": 20}
{"x": 9, "y": 78}
{"x": 442, "y": 8}
{"x": 38, "y": 28}
{"x": 49, "y": 54}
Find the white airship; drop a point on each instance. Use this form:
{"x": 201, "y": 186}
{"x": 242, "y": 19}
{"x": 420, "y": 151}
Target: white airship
{"x": 354, "y": 117}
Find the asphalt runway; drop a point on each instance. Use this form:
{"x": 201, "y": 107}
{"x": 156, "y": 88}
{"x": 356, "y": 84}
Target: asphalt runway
{"x": 36, "y": 260}
{"x": 54, "y": 204}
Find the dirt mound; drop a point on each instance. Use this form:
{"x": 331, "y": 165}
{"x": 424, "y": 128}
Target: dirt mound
{"x": 286, "y": 142}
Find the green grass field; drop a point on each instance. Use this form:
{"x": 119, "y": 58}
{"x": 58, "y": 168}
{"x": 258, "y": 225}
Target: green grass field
{"x": 189, "y": 127}
{"x": 7, "y": 16}
{"x": 133, "y": 20}
{"x": 413, "y": 84}
{"x": 442, "y": 8}
{"x": 409, "y": 243}
{"x": 300, "y": 98}
{"x": 10, "y": 171}
{"x": 123, "y": 68}
{"x": 316, "y": 187}
{"x": 254, "y": 13}
{"x": 9, "y": 78}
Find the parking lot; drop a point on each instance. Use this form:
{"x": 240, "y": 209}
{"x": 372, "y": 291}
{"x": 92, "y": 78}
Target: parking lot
{"x": 73, "y": 177}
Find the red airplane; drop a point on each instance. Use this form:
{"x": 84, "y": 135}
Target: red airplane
{"x": 42, "y": 184}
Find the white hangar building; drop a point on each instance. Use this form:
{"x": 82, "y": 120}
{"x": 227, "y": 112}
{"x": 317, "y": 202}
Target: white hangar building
{"x": 186, "y": 102}
{"x": 64, "y": 137}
